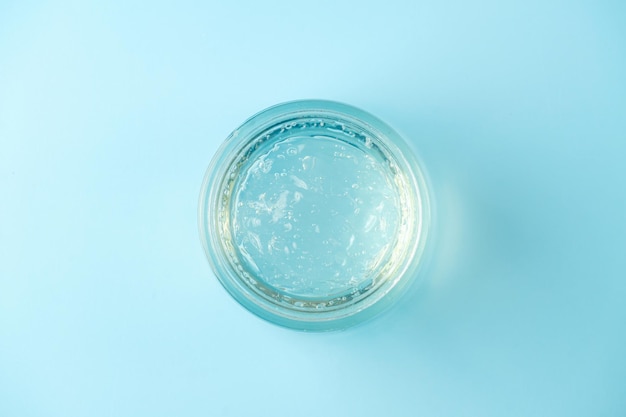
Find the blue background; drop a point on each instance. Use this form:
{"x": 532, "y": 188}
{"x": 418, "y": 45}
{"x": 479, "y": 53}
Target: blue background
{"x": 111, "y": 111}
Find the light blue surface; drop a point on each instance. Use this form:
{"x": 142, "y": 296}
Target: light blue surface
{"x": 110, "y": 113}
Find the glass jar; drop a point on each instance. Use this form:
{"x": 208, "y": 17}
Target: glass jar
{"x": 314, "y": 215}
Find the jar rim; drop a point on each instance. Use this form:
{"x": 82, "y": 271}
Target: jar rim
{"x": 214, "y": 217}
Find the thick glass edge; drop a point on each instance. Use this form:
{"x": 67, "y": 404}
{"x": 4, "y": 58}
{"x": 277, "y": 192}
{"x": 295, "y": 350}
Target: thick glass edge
{"x": 407, "y": 278}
